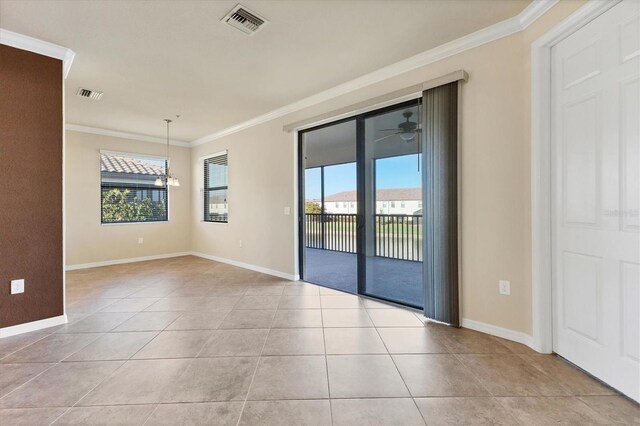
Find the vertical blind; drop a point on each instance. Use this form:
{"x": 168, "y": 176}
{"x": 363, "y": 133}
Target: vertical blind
{"x": 128, "y": 192}
{"x": 216, "y": 188}
{"x": 440, "y": 215}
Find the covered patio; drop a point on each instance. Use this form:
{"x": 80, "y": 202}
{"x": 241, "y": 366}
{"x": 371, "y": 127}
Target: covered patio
{"x": 392, "y": 279}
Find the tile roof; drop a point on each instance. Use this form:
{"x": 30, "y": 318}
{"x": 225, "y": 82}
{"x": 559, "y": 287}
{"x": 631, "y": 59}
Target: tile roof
{"x": 113, "y": 163}
{"x": 391, "y": 194}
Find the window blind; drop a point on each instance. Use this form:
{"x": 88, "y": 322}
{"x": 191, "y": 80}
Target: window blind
{"x": 216, "y": 189}
{"x": 440, "y": 215}
{"x": 128, "y": 191}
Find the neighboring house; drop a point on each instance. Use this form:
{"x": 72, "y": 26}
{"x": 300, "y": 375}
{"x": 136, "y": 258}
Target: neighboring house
{"x": 218, "y": 207}
{"x": 136, "y": 174}
{"x": 120, "y": 169}
{"x": 403, "y": 201}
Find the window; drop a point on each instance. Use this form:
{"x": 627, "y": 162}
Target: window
{"x": 402, "y": 204}
{"x": 351, "y": 204}
{"x": 384, "y": 204}
{"x": 337, "y": 205}
{"x": 419, "y": 204}
{"x": 216, "y": 188}
{"x": 344, "y": 205}
{"x": 128, "y": 192}
{"x": 393, "y": 204}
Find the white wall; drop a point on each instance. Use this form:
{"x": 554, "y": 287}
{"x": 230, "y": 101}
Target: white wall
{"x": 87, "y": 240}
{"x": 261, "y": 184}
{"x": 495, "y": 184}
{"x": 495, "y": 177}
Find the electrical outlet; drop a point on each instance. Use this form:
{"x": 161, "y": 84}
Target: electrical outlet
{"x": 240, "y": 243}
{"x": 140, "y": 240}
{"x": 287, "y": 211}
{"x": 17, "y": 286}
{"x": 504, "y": 287}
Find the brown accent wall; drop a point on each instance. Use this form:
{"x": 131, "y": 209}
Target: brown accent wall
{"x": 31, "y": 132}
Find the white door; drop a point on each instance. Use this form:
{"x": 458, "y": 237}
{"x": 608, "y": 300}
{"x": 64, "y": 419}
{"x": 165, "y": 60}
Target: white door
{"x": 596, "y": 193}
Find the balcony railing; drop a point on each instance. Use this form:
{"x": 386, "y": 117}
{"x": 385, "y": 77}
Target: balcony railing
{"x": 331, "y": 231}
{"x": 399, "y": 236}
{"x": 396, "y": 236}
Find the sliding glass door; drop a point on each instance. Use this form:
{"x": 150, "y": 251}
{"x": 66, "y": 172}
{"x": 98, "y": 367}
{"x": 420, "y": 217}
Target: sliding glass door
{"x": 329, "y": 254}
{"x": 392, "y": 171}
{"x": 361, "y": 230}
{"x": 378, "y": 203}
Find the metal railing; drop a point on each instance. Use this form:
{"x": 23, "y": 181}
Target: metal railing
{"x": 331, "y": 231}
{"x": 399, "y": 236}
{"x": 396, "y": 236}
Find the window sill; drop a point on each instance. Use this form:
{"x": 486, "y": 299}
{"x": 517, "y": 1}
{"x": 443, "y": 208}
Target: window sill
{"x": 214, "y": 223}
{"x": 134, "y": 223}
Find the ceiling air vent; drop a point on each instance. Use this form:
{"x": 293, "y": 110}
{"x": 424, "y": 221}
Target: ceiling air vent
{"x": 247, "y": 22}
{"x": 91, "y": 94}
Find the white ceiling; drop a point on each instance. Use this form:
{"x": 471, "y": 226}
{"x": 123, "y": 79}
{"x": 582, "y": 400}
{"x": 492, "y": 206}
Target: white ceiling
{"x": 156, "y": 59}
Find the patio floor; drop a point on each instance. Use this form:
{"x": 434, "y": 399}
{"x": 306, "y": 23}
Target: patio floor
{"x": 393, "y": 279}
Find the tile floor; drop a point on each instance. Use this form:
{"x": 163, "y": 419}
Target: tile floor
{"x": 190, "y": 341}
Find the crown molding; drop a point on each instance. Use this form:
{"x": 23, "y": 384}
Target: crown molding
{"x": 486, "y": 35}
{"x": 23, "y": 42}
{"x": 123, "y": 135}
{"x": 533, "y": 12}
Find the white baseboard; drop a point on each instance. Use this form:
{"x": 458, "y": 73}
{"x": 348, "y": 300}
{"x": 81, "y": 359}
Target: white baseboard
{"x": 494, "y": 330}
{"x": 32, "y": 326}
{"x": 249, "y": 266}
{"x": 186, "y": 253}
{"x": 127, "y": 260}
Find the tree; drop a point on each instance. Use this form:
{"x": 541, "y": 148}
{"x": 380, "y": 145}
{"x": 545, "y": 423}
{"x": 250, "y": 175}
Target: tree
{"x": 312, "y": 207}
{"x": 118, "y": 205}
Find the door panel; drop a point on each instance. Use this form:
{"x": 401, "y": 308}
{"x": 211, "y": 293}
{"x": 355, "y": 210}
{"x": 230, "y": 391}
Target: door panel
{"x": 581, "y": 295}
{"x": 631, "y": 311}
{"x": 630, "y": 171}
{"x": 595, "y": 202}
{"x": 581, "y": 168}
{"x": 580, "y": 66}
{"x": 329, "y": 253}
{"x": 393, "y": 195}
{"x": 629, "y": 40}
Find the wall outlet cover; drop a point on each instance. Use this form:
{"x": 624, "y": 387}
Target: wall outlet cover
{"x": 17, "y": 286}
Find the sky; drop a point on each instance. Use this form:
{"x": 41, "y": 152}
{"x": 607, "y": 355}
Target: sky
{"x": 394, "y": 172}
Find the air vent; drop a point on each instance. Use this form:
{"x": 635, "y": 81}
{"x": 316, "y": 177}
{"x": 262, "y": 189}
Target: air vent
{"x": 91, "y": 94}
{"x": 241, "y": 19}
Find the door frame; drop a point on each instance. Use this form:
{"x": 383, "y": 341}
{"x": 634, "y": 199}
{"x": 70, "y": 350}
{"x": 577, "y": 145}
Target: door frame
{"x": 541, "y": 149}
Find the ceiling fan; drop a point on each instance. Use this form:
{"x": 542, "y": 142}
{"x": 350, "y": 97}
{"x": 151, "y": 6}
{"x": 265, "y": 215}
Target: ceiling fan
{"x": 406, "y": 129}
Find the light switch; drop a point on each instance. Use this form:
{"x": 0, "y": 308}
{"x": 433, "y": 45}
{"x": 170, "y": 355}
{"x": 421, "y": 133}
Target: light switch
{"x": 504, "y": 287}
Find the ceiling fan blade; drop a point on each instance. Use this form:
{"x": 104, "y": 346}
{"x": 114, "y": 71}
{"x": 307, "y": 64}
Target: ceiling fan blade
{"x": 385, "y": 137}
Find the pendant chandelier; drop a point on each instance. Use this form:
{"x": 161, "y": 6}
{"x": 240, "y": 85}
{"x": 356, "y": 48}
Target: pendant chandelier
{"x": 170, "y": 180}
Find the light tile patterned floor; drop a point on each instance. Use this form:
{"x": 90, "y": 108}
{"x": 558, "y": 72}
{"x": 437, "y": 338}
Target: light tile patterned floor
{"x": 191, "y": 341}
